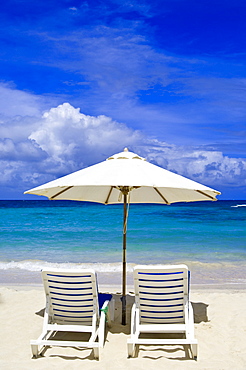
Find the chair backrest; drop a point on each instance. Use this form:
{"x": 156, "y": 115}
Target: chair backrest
{"x": 72, "y": 295}
{"x": 160, "y": 293}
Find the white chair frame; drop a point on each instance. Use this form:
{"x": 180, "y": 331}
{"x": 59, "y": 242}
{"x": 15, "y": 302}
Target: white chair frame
{"x": 72, "y": 306}
{"x": 156, "y": 309}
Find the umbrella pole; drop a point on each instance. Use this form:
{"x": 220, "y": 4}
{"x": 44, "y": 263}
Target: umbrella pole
{"x": 124, "y": 264}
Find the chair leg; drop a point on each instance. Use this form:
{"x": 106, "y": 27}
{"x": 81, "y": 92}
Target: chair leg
{"x": 130, "y": 349}
{"x": 111, "y": 307}
{"x": 34, "y": 350}
{"x": 193, "y": 348}
{"x": 96, "y": 353}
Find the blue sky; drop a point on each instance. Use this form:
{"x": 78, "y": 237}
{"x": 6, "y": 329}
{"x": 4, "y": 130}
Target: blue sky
{"x": 81, "y": 80}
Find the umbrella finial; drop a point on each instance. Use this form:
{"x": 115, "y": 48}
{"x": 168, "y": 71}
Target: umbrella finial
{"x": 126, "y": 150}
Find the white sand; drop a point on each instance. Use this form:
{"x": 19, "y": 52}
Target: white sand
{"x": 220, "y": 330}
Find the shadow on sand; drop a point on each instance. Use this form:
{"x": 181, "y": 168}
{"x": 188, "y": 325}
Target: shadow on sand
{"x": 200, "y": 315}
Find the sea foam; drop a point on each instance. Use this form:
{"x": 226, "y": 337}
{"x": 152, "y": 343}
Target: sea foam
{"x": 36, "y": 265}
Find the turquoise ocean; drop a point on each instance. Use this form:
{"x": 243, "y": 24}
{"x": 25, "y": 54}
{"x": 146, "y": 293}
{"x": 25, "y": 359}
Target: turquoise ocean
{"x": 210, "y": 237}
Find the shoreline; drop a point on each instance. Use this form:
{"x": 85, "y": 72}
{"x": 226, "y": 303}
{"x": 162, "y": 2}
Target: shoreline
{"x": 203, "y": 276}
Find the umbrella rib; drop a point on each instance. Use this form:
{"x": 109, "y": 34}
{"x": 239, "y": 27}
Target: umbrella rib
{"x": 206, "y": 195}
{"x": 60, "y": 192}
{"x": 162, "y": 197}
{"x": 109, "y": 193}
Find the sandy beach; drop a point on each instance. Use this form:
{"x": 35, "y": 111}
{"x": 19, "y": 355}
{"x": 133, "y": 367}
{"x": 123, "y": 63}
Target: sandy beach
{"x": 220, "y": 327}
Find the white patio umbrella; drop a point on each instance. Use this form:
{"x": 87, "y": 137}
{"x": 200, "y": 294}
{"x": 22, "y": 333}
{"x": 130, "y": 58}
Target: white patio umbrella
{"x": 125, "y": 178}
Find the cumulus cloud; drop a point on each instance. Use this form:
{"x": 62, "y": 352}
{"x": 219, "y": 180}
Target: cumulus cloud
{"x": 39, "y": 149}
{"x": 210, "y": 167}
{"x": 76, "y": 140}
{"x": 63, "y": 140}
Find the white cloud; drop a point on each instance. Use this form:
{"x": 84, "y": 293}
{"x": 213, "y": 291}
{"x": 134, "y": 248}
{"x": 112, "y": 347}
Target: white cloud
{"x": 210, "y": 167}
{"x": 14, "y": 102}
{"x": 71, "y": 137}
{"x": 64, "y": 140}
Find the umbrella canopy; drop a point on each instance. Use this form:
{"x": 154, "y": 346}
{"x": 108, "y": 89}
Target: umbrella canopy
{"x": 105, "y": 182}
{"x": 125, "y": 178}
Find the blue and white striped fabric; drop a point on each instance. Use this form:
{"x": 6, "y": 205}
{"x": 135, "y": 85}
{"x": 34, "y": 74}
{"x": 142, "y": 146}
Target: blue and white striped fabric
{"x": 160, "y": 293}
{"x": 73, "y": 297}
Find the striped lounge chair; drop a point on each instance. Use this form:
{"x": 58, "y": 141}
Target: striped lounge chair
{"x": 162, "y": 307}
{"x": 73, "y": 306}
